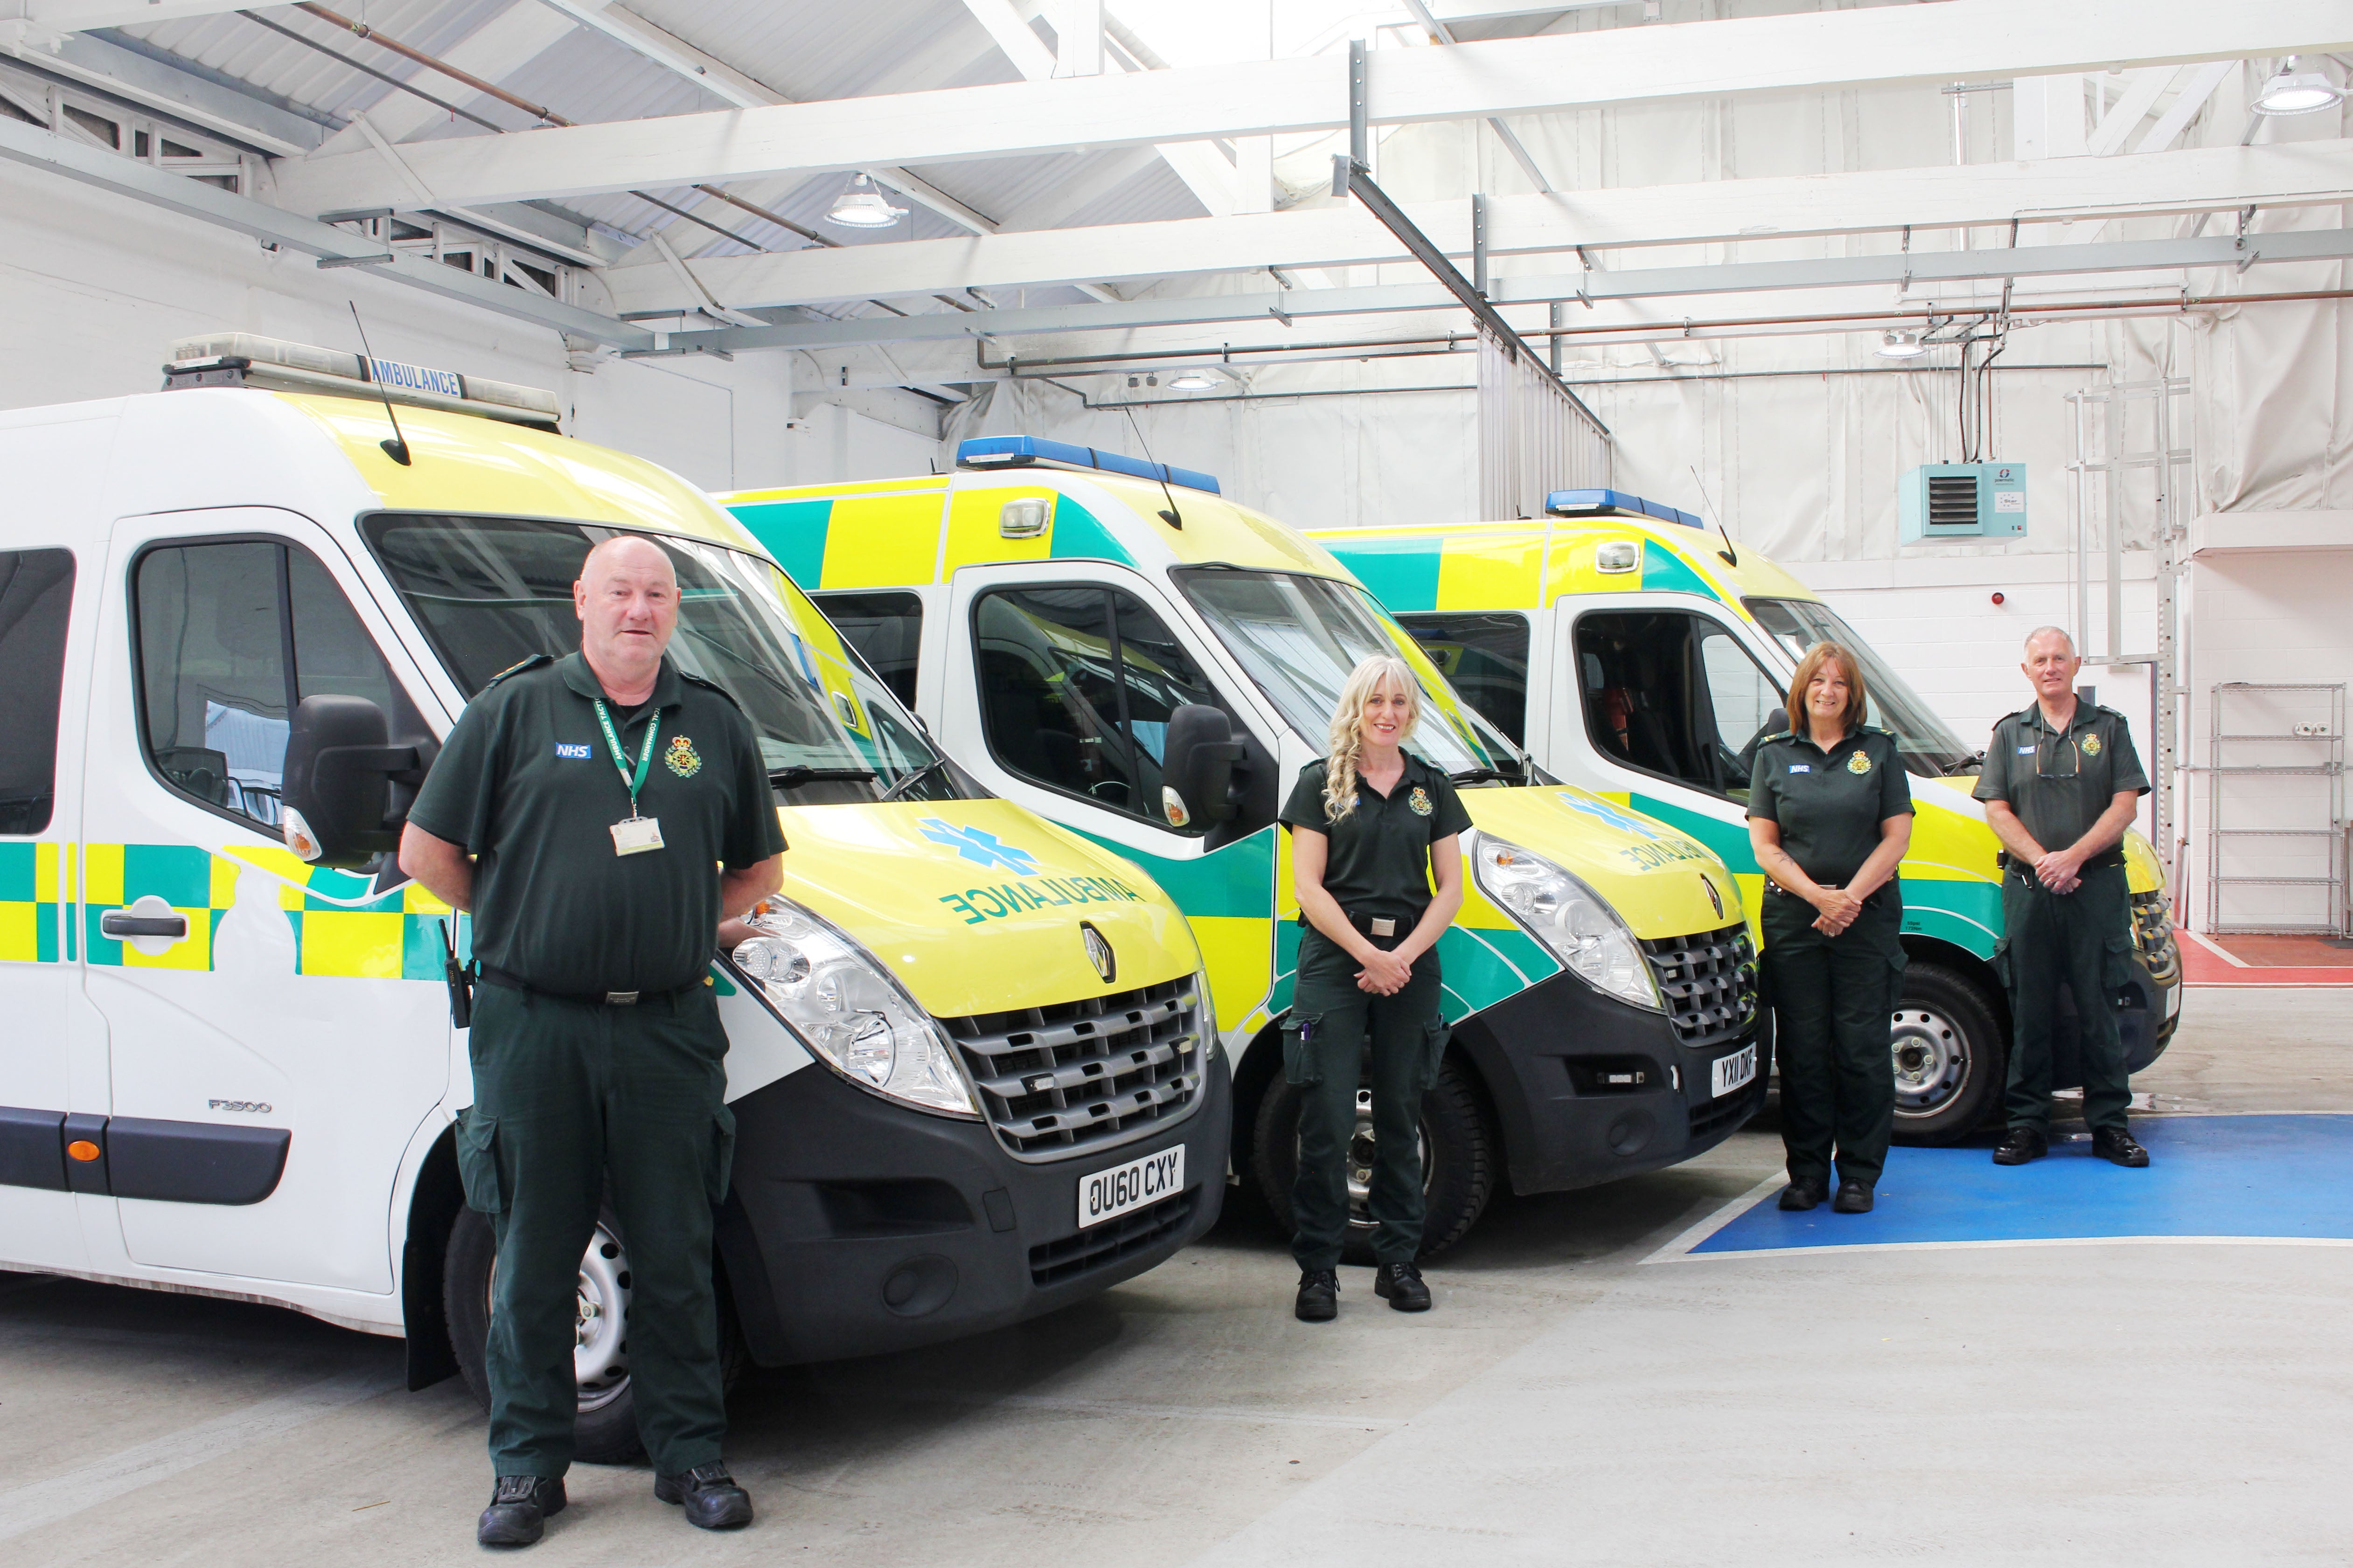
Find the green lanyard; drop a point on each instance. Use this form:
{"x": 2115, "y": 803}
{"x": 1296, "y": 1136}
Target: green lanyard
{"x": 621, "y": 758}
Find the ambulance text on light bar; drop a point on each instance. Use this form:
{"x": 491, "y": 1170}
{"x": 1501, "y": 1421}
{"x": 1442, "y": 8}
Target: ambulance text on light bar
{"x": 416, "y": 378}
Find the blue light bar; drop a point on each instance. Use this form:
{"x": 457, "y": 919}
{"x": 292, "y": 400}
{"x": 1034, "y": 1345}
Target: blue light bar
{"x": 1020, "y": 451}
{"x": 1614, "y": 503}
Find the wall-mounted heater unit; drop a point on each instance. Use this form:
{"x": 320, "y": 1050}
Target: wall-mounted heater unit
{"x": 1961, "y": 501}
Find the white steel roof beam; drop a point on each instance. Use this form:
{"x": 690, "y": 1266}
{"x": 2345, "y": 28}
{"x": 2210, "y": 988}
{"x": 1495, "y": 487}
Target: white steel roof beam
{"x": 2189, "y": 180}
{"x": 1982, "y": 39}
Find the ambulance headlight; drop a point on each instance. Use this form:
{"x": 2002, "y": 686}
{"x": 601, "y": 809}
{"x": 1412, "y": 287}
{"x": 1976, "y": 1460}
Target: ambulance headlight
{"x": 1579, "y": 927}
{"x": 849, "y": 1010}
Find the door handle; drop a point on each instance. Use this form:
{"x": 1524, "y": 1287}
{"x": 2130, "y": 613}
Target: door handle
{"x": 120, "y": 923}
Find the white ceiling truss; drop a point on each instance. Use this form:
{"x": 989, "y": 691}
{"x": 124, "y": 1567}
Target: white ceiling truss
{"x": 550, "y": 220}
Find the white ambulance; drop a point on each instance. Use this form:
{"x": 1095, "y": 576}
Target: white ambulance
{"x": 972, "y": 1072}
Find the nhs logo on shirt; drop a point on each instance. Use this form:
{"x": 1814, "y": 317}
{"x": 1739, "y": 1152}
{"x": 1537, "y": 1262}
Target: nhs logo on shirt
{"x": 573, "y": 751}
{"x": 1801, "y": 767}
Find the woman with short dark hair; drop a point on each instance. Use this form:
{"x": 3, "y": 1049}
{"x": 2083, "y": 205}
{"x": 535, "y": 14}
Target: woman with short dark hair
{"x": 1830, "y": 816}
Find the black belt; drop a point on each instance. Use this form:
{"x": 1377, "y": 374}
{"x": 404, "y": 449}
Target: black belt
{"x": 1383, "y": 927}
{"x": 2113, "y": 855}
{"x": 593, "y": 998}
{"x": 1870, "y": 900}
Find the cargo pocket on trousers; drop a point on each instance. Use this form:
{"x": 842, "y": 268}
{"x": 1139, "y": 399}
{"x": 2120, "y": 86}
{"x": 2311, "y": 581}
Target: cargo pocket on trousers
{"x": 1300, "y": 1067}
{"x": 2002, "y": 966}
{"x": 2118, "y": 967}
{"x": 478, "y": 1161}
{"x": 1434, "y": 1035}
{"x": 721, "y": 1157}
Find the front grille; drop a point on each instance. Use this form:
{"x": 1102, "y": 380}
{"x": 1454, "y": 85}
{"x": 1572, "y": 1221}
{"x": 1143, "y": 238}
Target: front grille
{"x": 1099, "y": 1246}
{"x": 1708, "y": 983}
{"x": 1714, "y": 1117}
{"x": 1079, "y": 1077}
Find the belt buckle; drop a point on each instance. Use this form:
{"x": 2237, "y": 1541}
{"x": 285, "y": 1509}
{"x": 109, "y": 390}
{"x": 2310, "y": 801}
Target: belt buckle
{"x": 620, "y": 998}
{"x": 1382, "y": 927}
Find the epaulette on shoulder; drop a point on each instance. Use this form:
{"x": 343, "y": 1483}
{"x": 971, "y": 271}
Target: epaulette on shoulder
{"x": 533, "y": 662}
{"x": 709, "y": 685}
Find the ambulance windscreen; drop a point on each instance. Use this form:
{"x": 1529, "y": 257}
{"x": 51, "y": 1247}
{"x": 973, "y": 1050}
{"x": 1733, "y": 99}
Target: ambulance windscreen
{"x": 1928, "y": 746}
{"x": 488, "y": 593}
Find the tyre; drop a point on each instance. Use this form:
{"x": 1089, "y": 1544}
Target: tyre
{"x": 1950, "y": 1057}
{"x": 1458, "y": 1160}
{"x": 606, "y": 1428}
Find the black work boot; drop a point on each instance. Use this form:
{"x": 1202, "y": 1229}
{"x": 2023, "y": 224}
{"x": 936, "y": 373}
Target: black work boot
{"x": 1800, "y": 1197}
{"x": 1319, "y": 1296}
{"x": 1402, "y": 1283}
{"x": 2118, "y": 1146}
{"x": 2021, "y": 1144}
{"x": 713, "y": 1499}
{"x": 1853, "y": 1197}
{"x": 520, "y": 1506}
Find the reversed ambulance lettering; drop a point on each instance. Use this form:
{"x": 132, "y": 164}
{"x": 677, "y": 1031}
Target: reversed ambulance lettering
{"x": 981, "y": 904}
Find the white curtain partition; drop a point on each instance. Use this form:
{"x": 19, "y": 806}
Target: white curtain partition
{"x": 1534, "y": 437}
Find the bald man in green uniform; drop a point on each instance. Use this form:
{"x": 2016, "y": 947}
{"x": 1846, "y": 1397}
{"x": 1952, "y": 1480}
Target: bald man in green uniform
{"x": 597, "y": 1047}
{"x": 2061, "y": 784}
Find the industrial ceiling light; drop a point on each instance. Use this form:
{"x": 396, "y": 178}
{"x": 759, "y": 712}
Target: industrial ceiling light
{"x": 860, "y": 205}
{"x": 1193, "y": 381}
{"x": 1901, "y": 345}
{"x": 2289, "y": 92}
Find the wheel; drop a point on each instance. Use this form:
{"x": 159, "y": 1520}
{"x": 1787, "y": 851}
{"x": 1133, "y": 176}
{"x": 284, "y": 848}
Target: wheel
{"x": 606, "y": 1428}
{"x": 1458, "y": 1161}
{"x": 1950, "y": 1057}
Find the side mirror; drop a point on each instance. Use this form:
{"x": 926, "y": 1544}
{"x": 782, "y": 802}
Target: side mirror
{"x": 340, "y": 764}
{"x": 1196, "y": 767}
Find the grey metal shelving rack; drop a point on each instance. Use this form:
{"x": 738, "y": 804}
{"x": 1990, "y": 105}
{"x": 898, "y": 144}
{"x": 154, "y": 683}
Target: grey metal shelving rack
{"x": 2327, "y": 764}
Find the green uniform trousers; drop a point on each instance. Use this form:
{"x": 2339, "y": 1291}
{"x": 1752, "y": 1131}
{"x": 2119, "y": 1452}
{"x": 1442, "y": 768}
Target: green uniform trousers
{"x": 1833, "y": 998}
{"x": 568, "y": 1096}
{"x": 2084, "y": 939}
{"x": 1324, "y": 1054}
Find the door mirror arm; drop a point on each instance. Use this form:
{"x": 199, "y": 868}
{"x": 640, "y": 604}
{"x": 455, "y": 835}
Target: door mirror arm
{"x": 340, "y": 769}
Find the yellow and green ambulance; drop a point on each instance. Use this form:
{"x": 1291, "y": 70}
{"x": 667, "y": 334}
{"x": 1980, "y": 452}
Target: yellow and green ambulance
{"x": 1113, "y": 643}
{"x": 1638, "y": 654}
{"x": 236, "y": 618}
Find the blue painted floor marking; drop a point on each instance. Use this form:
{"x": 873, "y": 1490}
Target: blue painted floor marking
{"x": 2287, "y": 1178}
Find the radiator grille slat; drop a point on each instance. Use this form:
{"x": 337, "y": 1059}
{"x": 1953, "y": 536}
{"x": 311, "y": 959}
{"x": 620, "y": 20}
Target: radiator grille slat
{"x": 1708, "y": 983}
{"x": 1080, "y": 1076}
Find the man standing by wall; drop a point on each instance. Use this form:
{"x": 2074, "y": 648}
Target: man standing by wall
{"x": 597, "y": 1045}
{"x": 2063, "y": 773}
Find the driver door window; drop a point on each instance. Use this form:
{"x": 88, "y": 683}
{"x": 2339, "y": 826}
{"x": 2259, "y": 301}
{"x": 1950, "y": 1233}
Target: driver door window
{"x": 1077, "y": 685}
{"x": 1674, "y": 694}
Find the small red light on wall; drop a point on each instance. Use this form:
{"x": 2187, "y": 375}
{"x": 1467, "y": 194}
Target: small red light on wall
{"x": 1997, "y": 599}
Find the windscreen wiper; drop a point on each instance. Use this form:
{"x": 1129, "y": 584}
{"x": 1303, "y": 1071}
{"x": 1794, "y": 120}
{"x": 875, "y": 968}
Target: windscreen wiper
{"x": 799, "y": 774}
{"x": 1487, "y": 775}
{"x": 911, "y": 779}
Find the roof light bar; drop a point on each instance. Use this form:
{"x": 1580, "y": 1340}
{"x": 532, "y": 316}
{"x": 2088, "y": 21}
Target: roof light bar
{"x": 242, "y": 359}
{"x": 1026, "y": 451}
{"x": 1615, "y": 503}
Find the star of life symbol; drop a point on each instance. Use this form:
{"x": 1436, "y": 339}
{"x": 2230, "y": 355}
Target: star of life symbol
{"x": 979, "y": 845}
{"x": 1622, "y": 820}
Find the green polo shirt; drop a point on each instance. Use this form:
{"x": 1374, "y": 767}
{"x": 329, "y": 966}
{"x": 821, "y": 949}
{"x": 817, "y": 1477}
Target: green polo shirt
{"x": 2060, "y": 782}
{"x": 526, "y": 784}
{"x": 1829, "y": 804}
{"x": 1377, "y": 860}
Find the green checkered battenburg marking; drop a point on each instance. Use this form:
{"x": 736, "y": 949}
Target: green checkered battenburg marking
{"x": 31, "y": 926}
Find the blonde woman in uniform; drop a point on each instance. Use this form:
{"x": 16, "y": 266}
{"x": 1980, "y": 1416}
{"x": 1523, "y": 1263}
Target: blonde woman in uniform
{"x": 1373, "y": 830}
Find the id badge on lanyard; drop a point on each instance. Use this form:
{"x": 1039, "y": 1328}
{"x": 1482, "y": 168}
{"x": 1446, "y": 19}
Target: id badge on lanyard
{"x": 633, "y": 834}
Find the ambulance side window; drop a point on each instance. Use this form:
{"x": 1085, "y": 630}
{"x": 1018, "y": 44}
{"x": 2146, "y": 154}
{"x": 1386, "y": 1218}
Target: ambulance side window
{"x": 35, "y": 591}
{"x": 887, "y": 630}
{"x": 230, "y": 635}
{"x": 1671, "y": 693}
{"x": 1077, "y": 685}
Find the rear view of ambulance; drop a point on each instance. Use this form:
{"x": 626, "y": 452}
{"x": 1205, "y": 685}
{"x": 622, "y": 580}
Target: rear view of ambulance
{"x": 236, "y": 619}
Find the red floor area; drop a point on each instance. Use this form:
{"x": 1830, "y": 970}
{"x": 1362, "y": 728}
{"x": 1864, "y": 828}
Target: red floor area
{"x": 2264, "y": 961}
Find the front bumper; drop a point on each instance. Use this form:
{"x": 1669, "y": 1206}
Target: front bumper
{"x": 1556, "y": 1057}
{"x": 854, "y": 1227}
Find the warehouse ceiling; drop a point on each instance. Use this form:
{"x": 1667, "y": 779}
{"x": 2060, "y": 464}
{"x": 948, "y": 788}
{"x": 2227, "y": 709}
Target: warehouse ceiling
{"x": 662, "y": 177}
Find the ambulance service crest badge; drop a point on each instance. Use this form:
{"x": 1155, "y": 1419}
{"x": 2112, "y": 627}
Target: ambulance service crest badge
{"x": 1419, "y": 801}
{"x": 681, "y": 758}
{"x": 1858, "y": 764}
{"x": 2091, "y": 745}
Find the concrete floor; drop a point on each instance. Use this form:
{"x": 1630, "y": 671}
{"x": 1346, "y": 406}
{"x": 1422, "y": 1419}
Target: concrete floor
{"x": 2139, "y": 1403}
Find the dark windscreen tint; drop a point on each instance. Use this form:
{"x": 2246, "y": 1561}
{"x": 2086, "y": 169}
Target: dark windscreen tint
{"x": 490, "y": 591}
{"x": 1927, "y": 743}
{"x": 1486, "y": 659}
{"x": 887, "y": 630}
{"x": 36, "y": 592}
